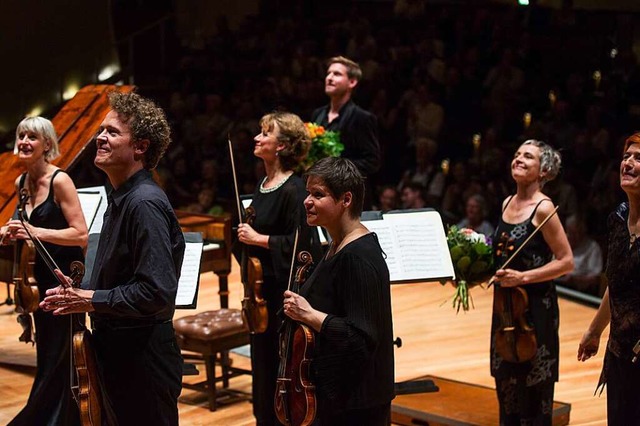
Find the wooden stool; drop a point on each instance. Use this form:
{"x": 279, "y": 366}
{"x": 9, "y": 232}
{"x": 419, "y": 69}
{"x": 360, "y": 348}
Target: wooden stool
{"x": 209, "y": 333}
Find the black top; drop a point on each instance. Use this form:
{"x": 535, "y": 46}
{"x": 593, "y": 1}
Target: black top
{"x": 139, "y": 256}
{"x": 623, "y": 264}
{"x": 49, "y": 215}
{"x": 358, "y": 133}
{"x": 543, "y": 304}
{"x": 353, "y": 365}
{"x": 278, "y": 214}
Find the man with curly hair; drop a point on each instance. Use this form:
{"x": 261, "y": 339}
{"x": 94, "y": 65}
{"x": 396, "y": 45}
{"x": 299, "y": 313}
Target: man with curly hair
{"x": 131, "y": 294}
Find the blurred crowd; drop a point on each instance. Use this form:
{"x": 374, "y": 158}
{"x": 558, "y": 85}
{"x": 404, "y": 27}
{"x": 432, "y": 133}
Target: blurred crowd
{"x": 455, "y": 89}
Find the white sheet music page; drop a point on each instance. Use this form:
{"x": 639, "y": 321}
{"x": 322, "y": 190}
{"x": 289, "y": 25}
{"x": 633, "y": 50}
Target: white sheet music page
{"x": 93, "y": 201}
{"x": 190, "y": 272}
{"x": 415, "y": 245}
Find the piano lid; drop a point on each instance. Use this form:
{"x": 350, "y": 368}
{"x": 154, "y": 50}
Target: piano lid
{"x": 76, "y": 124}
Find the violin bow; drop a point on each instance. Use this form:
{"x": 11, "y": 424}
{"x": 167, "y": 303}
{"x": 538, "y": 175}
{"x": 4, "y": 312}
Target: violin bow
{"x": 235, "y": 179}
{"x": 51, "y": 264}
{"x": 293, "y": 259}
{"x": 535, "y": 231}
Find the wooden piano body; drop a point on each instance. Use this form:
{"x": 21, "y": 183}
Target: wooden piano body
{"x": 216, "y": 253}
{"x": 76, "y": 124}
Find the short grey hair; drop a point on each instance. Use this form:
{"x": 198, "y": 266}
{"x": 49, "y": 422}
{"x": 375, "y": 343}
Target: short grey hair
{"x": 550, "y": 160}
{"x": 45, "y": 131}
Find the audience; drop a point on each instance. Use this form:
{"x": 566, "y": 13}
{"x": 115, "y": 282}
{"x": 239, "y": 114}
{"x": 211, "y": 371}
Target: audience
{"x": 433, "y": 76}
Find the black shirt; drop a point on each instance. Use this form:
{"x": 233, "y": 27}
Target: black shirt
{"x": 623, "y": 264}
{"x": 139, "y": 256}
{"x": 353, "y": 365}
{"x": 358, "y": 133}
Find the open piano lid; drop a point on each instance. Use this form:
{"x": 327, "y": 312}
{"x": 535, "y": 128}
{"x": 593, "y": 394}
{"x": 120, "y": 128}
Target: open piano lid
{"x": 76, "y": 124}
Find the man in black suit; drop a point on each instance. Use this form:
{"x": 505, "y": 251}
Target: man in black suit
{"x": 358, "y": 128}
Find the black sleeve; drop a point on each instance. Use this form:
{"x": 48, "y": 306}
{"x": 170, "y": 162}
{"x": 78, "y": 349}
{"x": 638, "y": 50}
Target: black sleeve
{"x": 354, "y": 336}
{"x": 367, "y": 147}
{"x": 153, "y": 287}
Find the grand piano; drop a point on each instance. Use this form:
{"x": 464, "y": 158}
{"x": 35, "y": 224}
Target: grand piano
{"x": 76, "y": 124}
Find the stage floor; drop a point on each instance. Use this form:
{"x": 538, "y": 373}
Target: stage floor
{"x": 435, "y": 340}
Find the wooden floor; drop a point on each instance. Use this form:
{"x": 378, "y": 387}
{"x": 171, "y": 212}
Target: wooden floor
{"x": 436, "y": 342}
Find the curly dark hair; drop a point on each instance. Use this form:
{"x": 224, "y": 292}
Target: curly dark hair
{"x": 146, "y": 120}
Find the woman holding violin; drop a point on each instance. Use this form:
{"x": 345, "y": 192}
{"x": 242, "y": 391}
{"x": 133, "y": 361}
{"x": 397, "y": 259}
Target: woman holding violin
{"x": 347, "y": 303}
{"x": 620, "y": 304}
{"x": 54, "y": 216}
{"x": 282, "y": 144}
{"x": 524, "y": 329}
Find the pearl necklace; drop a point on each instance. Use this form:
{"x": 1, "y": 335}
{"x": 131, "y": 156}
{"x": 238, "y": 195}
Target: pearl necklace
{"x": 264, "y": 190}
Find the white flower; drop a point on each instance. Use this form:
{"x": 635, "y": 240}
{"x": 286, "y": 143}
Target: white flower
{"x": 473, "y": 236}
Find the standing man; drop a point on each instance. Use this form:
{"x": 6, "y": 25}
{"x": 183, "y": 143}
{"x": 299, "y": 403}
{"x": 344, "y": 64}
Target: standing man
{"x": 131, "y": 295}
{"x": 358, "y": 128}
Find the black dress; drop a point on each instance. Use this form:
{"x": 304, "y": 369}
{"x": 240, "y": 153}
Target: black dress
{"x": 525, "y": 390}
{"x": 50, "y": 401}
{"x": 619, "y": 373}
{"x": 353, "y": 364}
{"x": 279, "y": 212}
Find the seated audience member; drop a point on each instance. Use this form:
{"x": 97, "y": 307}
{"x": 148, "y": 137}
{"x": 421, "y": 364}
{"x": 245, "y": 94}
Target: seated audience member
{"x": 587, "y": 257}
{"x": 426, "y": 172}
{"x": 475, "y": 213}
{"x": 387, "y": 199}
{"x": 412, "y": 196}
{"x": 458, "y": 191}
{"x": 207, "y": 203}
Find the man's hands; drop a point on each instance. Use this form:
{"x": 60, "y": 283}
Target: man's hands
{"x": 64, "y": 300}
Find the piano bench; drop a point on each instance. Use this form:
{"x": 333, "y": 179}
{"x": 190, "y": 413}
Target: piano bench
{"x": 208, "y": 334}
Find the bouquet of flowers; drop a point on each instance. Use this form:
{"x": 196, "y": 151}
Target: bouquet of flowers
{"x": 472, "y": 258}
{"x": 324, "y": 143}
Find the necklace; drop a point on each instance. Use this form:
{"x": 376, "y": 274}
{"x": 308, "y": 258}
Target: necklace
{"x": 264, "y": 190}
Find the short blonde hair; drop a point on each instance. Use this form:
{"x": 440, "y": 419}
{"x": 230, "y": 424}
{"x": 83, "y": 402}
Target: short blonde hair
{"x": 550, "y": 160}
{"x": 45, "y": 131}
{"x": 293, "y": 134}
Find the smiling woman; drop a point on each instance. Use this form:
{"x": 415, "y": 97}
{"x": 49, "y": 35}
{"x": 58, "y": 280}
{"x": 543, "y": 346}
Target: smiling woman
{"x": 347, "y": 302}
{"x": 52, "y": 215}
{"x": 282, "y": 145}
{"x": 525, "y": 388}
{"x": 620, "y": 305}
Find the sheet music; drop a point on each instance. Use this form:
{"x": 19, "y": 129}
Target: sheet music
{"x": 94, "y": 220}
{"x": 415, "y": 245}
{"x": 89, "y": 202}
{"x": 189, "y": 275}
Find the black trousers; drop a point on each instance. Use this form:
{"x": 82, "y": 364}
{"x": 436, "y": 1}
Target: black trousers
{"x": 265, "y": 359}
{"x": 379, "y": 415}
{"x": 141, "y": 370}
{"x": 623, "y": 391}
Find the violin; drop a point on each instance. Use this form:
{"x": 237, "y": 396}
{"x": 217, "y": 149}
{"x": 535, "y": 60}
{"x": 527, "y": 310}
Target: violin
{"x": 515, "y": 338}
{"x": 254, "y": 306}
{"x": 86, "y": 386}
{"x": 25, "y": 293}
{"x": 295, "y": 399}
